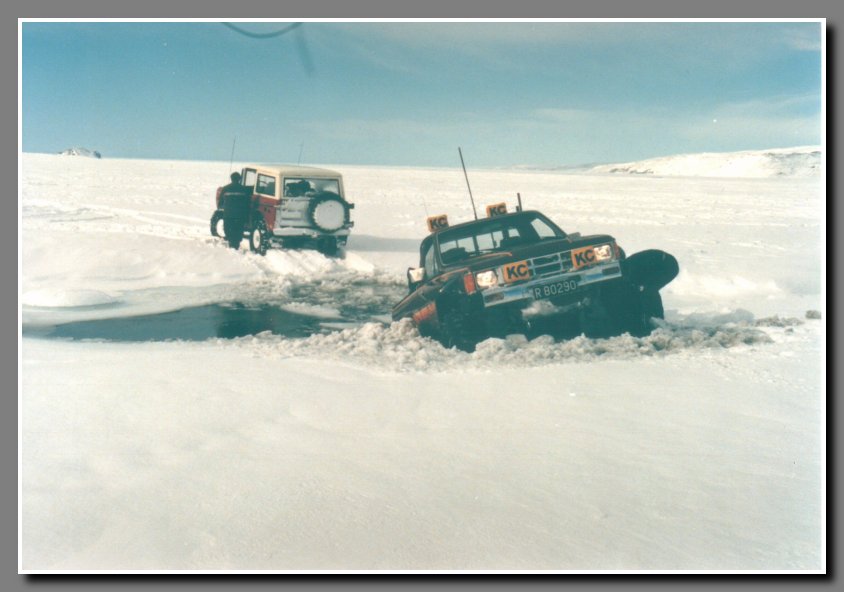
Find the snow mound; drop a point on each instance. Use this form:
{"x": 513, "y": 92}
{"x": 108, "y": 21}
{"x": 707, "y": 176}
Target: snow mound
{"x": 60, "y": 298}
{"x": 398, "y": 347}
{"x": 81, "y": 152}
{"x": 802, "y": 161}
{"x": 718, "y": 287}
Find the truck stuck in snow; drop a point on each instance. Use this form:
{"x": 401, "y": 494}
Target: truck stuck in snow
{"x": 513, "y": 272}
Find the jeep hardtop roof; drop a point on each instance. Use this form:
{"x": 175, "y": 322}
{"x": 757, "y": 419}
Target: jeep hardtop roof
{"x": 289, "y": 170}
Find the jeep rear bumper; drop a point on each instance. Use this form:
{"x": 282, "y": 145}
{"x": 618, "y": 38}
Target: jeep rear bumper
{"x": 292, "y": 231}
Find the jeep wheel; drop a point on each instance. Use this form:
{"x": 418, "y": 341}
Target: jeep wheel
{"x": 217, "y": 224}
{"x": 327, "y": 246}
{"x": 258, "y": 238}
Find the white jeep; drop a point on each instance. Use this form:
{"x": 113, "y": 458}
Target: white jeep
{"x": 293, "y": 206}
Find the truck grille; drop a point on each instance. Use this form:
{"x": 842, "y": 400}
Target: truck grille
{"x": 550, "y": 264}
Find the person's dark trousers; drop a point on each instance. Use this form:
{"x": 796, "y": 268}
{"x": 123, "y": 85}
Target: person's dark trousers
{"x": 233, "y": 227}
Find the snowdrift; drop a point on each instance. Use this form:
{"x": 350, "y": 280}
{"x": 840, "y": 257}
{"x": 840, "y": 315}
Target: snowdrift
{"x": 784, "y": 162}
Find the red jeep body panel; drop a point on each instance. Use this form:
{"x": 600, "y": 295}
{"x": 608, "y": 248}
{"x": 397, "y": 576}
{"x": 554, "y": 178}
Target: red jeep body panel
{"x": 265, "y": 205}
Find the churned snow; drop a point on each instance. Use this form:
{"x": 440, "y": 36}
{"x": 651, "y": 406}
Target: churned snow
{"x": 367, "y": 447}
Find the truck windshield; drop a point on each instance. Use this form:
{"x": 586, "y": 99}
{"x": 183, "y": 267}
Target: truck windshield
{"x": 493, "y": 235}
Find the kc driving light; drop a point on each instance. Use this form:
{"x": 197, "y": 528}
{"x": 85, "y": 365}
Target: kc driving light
{"x": 486, "y": 279}
{"x": 602, "y": 253}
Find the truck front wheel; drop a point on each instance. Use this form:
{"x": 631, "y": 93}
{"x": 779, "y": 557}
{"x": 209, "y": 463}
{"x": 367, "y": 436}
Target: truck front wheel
{"x": 632, "y": 309}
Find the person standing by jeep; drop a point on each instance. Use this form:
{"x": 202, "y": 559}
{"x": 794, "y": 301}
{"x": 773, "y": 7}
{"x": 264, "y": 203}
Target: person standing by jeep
{"x": 236, "y": 201}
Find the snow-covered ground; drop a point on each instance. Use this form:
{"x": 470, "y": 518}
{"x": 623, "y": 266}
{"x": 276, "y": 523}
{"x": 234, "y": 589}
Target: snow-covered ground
{"x": 803, "y": 161}
{"x": 366, "y": 447}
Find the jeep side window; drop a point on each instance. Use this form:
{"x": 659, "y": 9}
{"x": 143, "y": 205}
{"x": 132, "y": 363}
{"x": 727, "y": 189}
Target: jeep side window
{"x": 265, "y": 185}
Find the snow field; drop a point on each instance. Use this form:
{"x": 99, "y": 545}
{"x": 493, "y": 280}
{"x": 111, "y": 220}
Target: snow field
{"x": 700, "y": 447}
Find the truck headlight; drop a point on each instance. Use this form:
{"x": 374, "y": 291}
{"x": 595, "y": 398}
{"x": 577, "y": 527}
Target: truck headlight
{"x": 602, "y": 253}
{"x": 486, "y": 279}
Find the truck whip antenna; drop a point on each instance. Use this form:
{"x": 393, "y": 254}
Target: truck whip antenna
{"x": 474, "y": 211}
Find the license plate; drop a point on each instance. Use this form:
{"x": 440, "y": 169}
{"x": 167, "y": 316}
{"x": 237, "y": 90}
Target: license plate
{"x": 554, "y": 289}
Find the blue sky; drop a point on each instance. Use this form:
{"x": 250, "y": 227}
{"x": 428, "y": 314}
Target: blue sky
{"x": 409, "y": 93}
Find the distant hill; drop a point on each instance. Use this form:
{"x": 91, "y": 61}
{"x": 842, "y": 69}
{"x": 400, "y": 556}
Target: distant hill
{"x": 802, "y": 161}
{"x": 81, "y": 152}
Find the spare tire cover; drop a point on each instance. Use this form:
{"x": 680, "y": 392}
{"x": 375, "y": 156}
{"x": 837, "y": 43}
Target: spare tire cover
{"x": 328, "y": 212}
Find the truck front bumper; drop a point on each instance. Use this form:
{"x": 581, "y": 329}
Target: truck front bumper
{"x": 570, "y": 286}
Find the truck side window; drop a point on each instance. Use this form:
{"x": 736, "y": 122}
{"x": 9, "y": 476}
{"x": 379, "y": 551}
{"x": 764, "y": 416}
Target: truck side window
{"x": 430, "y": 263}
{"x": 543, "y": 230}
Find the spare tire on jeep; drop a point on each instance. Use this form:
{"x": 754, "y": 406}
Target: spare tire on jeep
{"x": 328, "y": 212}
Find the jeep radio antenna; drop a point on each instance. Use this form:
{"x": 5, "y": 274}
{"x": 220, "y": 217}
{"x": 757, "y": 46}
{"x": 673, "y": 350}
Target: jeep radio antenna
{"x": 474, "y": 211}
{"x": 231, "y": 160}
{"x": 519, "y": 197}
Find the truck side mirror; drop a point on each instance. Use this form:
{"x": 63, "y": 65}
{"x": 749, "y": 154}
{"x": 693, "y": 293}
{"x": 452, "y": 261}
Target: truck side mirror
{"x": 415, "y": 276}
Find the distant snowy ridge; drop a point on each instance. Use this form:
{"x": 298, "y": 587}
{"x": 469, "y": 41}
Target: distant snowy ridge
{"x": 803, "y": 161}
{"x": 81, "y": 152}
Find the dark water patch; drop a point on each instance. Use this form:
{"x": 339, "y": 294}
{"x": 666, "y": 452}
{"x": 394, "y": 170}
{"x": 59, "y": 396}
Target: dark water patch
{"x": 199, "y": 323}
{"x": 290, "y": 311}
{"x": 355, "y": 299}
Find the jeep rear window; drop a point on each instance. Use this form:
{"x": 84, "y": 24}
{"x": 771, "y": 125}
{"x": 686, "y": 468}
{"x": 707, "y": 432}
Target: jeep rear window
{"x": 308, "y": 186}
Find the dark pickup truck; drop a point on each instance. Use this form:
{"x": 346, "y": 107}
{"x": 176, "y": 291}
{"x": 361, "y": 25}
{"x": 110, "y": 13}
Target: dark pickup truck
{"x": 520, "y": 273}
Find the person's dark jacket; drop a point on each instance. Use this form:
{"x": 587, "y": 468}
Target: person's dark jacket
{"x": 236, "y": 200}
